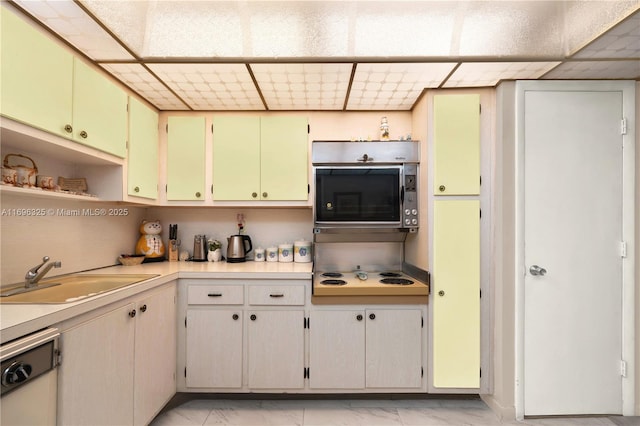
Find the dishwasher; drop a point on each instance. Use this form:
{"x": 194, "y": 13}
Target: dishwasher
{"x": 29, "y": 379}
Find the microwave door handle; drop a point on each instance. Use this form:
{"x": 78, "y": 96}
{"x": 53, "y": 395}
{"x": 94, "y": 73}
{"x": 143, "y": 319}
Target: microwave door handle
{"x": 402, "y": 195}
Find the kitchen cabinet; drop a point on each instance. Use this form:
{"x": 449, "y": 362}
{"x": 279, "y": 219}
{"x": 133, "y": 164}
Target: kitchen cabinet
{"x": 275, "y": 349}
{"x": 456, "y": 294}
{"x": 456, "y": 146}
{"x": 119, "y": 365}
{"x": 185, "y": 158}
{"x": 45, "y": 86}
{"x": 260, "y": 158}
{"x": 369, "y": 348}
{"x": 142, "y": 171}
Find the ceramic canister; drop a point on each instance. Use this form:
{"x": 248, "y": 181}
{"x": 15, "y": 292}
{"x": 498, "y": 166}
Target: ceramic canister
{"x": 302, "y": 251}
{"x": 285, "y": 252}
{"x": 259, "y": 254}
{"x": 271, "y": 254}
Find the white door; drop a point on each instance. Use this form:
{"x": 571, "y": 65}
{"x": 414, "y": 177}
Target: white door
{"x": 572, "y": 231}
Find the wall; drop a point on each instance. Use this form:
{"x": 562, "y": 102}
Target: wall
{"x": 79, "y": 241}
{"x": 636, "y": 249}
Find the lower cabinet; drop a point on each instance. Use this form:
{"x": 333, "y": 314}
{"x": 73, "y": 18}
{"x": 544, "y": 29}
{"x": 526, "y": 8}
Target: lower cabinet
{"x": 119, "y": 367}
{"x": 369, "y": 348}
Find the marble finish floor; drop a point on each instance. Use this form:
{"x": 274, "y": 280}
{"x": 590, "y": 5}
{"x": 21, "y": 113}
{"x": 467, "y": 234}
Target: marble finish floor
{"x": 357, "y": 412}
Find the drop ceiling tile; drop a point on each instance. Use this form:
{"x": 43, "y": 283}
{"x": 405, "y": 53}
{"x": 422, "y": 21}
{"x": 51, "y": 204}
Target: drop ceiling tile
{"x": 303, "y": 86}
{"x": 482, "y": 74}
{"x": 70, "y": 22}
{"x": 211, "y": 86}
{"x": 393, "y": 86}
{"x": 146, "y": 85}
{"x": 623, "y": 41}
{"x": 596, "y": 70}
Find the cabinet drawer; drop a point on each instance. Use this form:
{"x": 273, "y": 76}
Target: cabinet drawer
{"x": 215, "y": 295}
{"x": 276, "y": 295}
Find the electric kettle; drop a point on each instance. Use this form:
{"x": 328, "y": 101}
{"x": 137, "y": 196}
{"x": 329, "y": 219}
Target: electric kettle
{"x": 199, "y": 248}
{"x": 237, "y": 248}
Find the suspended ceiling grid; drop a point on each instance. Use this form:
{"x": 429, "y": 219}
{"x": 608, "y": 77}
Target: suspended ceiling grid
{"x": 339, "y": 55}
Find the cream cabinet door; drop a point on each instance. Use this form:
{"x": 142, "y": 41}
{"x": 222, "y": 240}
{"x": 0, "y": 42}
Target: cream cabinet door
{"x": 336, "y": 350}
{"x": 185, "y": 158}
{"x": 99, "y": 111}
{"x": 236, "y": 158}
{"x": 275, "y": 349}
{"x": 142, "y": 172}
{"x": 36, "y": 77}
{"x": 394, "y": 348}
{"x": 95, "y": 380}
{"x": 214, "y": 348}
{"x": 456, "y": 144}
{"x": 155, "y": 354}
{"x": 284, "y": 158}
{"x": 455, "y": 297}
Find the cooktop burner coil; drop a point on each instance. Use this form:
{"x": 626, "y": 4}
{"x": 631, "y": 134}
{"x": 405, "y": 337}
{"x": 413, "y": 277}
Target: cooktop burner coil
{"x": 397, "y": 281}
{"x": 332, "y": 274}
{"x": 333, "y": 282}
{"x": 390, "y": 274}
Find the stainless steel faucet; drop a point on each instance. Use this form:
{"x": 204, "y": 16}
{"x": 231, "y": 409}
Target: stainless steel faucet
{"x": 33, "y": 276}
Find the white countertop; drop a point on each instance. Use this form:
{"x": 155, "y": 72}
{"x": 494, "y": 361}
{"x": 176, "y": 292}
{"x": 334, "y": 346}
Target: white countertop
{"x": 17, "y": 320}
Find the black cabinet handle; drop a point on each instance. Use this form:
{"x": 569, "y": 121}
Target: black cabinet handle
{"x": 372, "y": 316}
{"x": 253, "y": 317}
{"x": 235, "y": 317}
{"x": 143, "y": 308}
{"x": 359, "y": 317}
{"x": 132, "y": 313}
{"x": 214, "y": 294}
{"x": 276, "y": 295}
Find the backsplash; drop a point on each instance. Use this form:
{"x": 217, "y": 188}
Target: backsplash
{"x": 81, "y": 234}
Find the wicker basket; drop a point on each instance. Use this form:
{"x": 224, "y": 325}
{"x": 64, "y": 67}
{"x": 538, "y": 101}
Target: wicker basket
{"x": 131, "y": 260}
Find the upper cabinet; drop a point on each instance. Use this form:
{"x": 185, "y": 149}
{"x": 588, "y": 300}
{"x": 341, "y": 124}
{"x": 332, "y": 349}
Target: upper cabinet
{"x": 260, "y": 158}
{"x": 142, "y": 173}
{"x": 45, "y": 86}
{"x": 456, "y": 144}
{"x": 185, "y": 158}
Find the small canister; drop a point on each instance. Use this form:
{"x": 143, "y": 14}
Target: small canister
{"x": 285, "y": 252}
{"x": 259, "y": 255}
{"x": 271, "y": 254}
{"x": 302, "y": 251}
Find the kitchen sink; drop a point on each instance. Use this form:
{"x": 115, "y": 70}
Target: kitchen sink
{"x": 69, "y": 288}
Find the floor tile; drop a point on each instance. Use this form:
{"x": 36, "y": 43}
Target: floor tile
{"x": 357, "y": 416}
{"x": 441, "y": 416}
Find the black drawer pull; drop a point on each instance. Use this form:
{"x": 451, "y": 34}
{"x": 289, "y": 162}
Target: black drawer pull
{"x": 276, "y": 295}
{"x": 214, "y": 294}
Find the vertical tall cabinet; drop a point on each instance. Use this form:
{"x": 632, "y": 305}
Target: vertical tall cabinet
{"x": 455, "y": 294}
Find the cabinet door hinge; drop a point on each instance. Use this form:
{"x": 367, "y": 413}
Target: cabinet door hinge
{"x": 623, "y": 126}
{"x": 480, "y": 213}
{"x": 480, "y": 293}
{"x": 308, "y": 128}
{"x": 623, "y": 368}
{"x": 421, "y": 322}
{"x": 308, "y": 189}
{"x": 58, "y": 357}
{"x": 305, "y": 373}
{"x": 623, "y": 249}
{"x": 480, "y": 180}
{"x": 167, "y": 127}
{"x": 212, "y": 128}
{"x": 185, "y": 322}
{"x": 480, "y": 108}
{"x": 480, "y": 372}
{"x": 306, "y": 322}
{"x": 421, "y": 371}
{"x": 211, "y": 188}
{"x": 185, "y": 372}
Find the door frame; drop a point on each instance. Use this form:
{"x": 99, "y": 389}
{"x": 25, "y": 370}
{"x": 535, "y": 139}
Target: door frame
{"x": 628, "y": 230}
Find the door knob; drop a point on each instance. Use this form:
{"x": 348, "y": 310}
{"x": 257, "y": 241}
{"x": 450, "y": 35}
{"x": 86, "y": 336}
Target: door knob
{"x": 537, "y": 270}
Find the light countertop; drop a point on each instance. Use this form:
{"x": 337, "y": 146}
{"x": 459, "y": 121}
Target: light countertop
{"x": 17, "y": 320}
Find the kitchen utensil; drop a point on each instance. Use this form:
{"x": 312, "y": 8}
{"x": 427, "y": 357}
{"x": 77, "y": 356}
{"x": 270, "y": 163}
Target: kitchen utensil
{"x": 199, "y": 248}
{"x": 271, "y": 254}
{"x": 237, "y": 248}
{"x": 302, "y": 251}
{"x": 25, "y": 175}
{"x": 285, "y": 252}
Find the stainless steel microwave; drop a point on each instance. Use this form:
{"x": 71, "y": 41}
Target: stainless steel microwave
{"x": 368, "y": 188}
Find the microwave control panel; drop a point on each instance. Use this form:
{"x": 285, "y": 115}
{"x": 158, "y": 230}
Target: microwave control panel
{"x": 410, "y": 205}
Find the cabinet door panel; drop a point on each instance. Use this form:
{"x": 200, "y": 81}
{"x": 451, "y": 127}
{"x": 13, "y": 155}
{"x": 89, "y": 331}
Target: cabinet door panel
{"x": 155, "y": 355}
{"x": 185, "y": 158}
{"x": 336, "y": 350}
{"x": 276, "y": 349}
{"x": 456, "y": 311}
{"x": 214, "y": 348}
{"x": 37, "y": 81}
{"x": 142, "y": 172}
{"x": 284, "y": 159}
{"x": 236, "y": 158}
{"x": 394, "y": 348}
{"x": 99, "y": 111}
{"x": 96, "y": 377}
{"x": 456, "y": 144}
